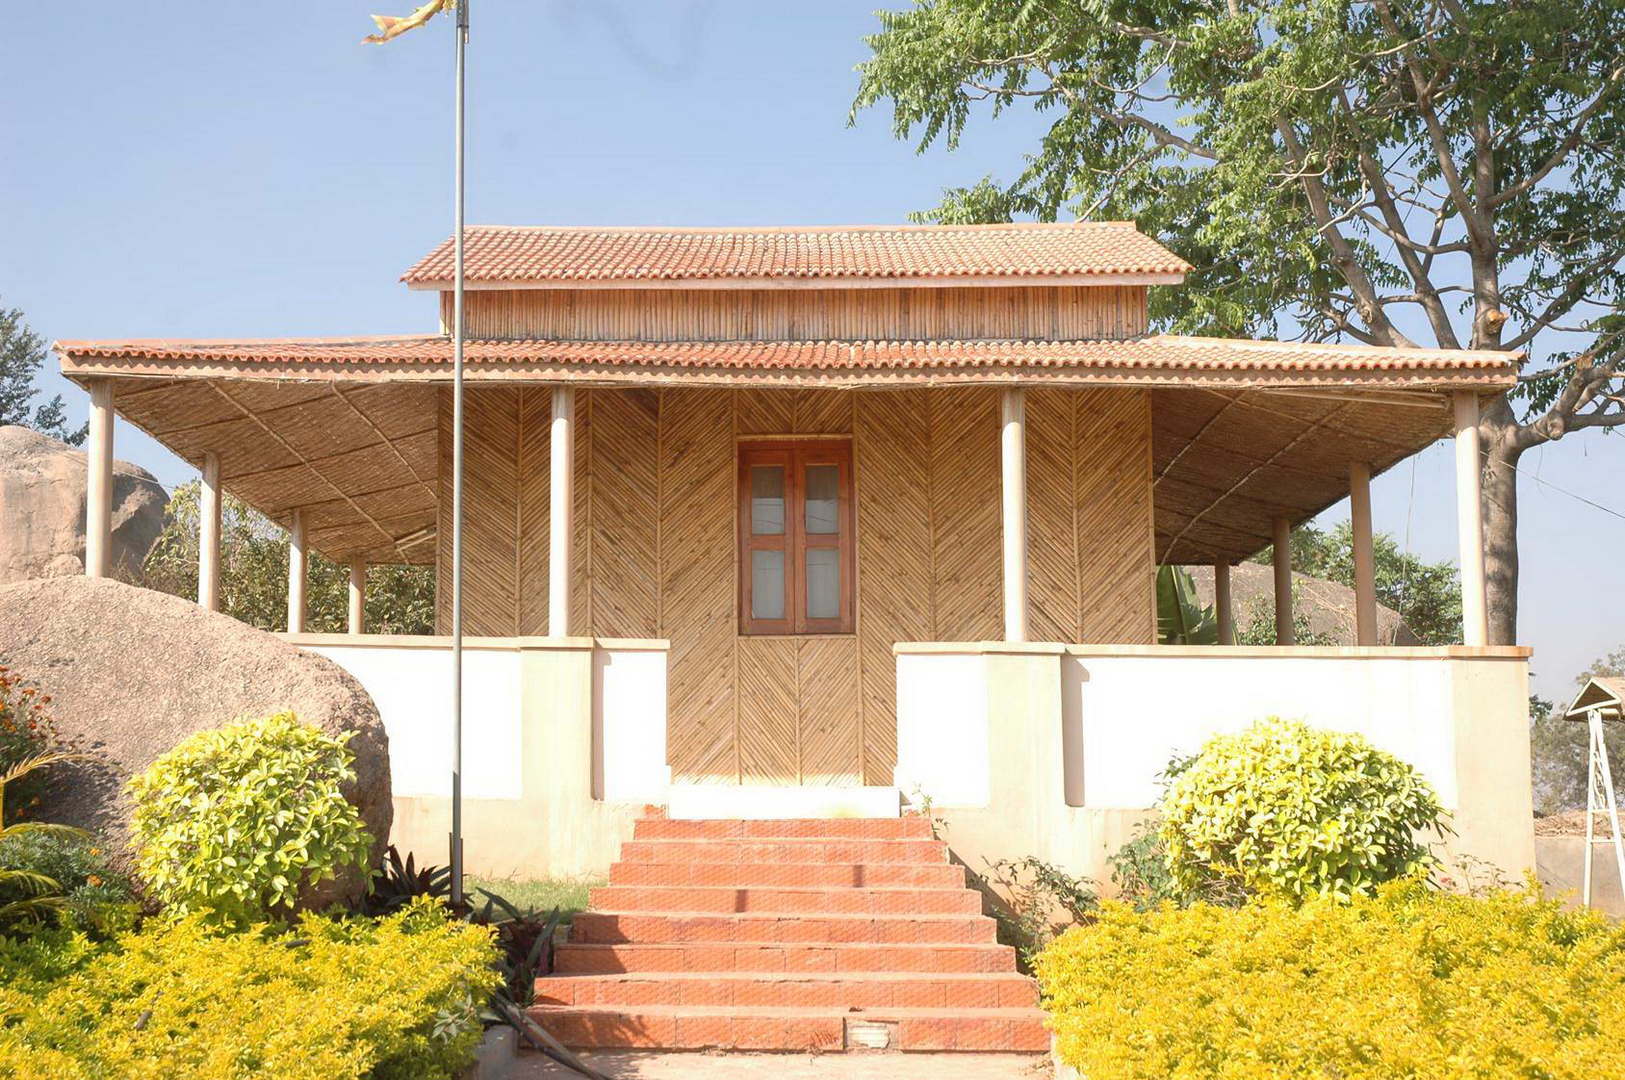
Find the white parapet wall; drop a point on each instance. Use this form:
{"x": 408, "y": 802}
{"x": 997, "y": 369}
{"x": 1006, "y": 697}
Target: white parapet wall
{"x": 1056, "y": 750}
{"x": 564, "y": 742}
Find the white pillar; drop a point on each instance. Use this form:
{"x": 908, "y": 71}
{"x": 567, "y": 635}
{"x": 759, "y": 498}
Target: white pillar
{"x": 1475, "y": 625}
{"x": 1285, "y": 633}
{"x": 99, "y": 482}
{"x": 208, "y": 534}
{"x": 561, "y": 512}
{"x": 358, "y": 594}
{"x": 296, "y": 574}
{"x": 1223, "y": 604}
{"x": 1365, "y": 564}
{"x": 1013, "y": 458}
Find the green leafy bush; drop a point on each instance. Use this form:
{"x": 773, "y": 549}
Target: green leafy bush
{"x": 1412, "y": 982}
{"x": 234, "y": 822}
{"x": 394, "y": 998}
{"x": 1283, "y": 807}
{"x": 1040, "y": 900}
{"x": 26, "y": 729}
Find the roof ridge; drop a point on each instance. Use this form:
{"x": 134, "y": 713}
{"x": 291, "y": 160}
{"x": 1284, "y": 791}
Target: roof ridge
{"x": 766, "y": 230}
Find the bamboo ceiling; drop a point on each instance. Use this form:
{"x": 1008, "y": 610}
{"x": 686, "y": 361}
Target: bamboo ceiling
{"x": 359, "y": 458}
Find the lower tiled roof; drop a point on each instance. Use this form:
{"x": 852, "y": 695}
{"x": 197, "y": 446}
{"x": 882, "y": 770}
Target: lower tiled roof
{"x": 1160, "y": 356}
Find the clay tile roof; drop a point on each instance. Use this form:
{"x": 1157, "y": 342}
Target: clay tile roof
{"x": 1168, "y": 358}
{"x": 557, "y": 255}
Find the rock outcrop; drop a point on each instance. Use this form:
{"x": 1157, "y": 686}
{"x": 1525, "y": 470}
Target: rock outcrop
{"x": 132, "y": 672}
{"x": 42, "y": 509}
{"x": 1328, "y": 606}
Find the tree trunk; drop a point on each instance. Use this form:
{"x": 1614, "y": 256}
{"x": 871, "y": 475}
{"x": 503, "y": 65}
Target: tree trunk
{"x": 1499, "y": 432}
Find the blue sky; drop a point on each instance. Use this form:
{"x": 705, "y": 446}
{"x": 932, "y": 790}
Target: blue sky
{"x": 196, "y": 169}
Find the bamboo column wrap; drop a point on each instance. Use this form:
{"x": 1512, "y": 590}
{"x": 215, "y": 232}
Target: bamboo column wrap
{"x": 1470, "y": 520}
{"x": 1286, "y": 632}
{"x": 298, "y": 565}
{"x": 208, "y": 534}
{"x": 99, "y": 481}
{"x": 1365, "y": 567}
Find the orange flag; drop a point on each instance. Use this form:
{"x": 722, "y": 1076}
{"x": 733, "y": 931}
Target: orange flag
{"x": 390, "y": 26}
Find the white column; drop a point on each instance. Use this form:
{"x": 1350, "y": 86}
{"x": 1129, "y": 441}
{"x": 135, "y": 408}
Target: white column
{"x": 1224, "y": 605}
{"x": 296, "y": 574}
{"x": 99, "y": 482}
{"x": 208, "y": 534}
{"x": 1365, "y": 565}
{"x": 1475, "y": 624}
{"x": 1013, "y": 458}
{"x": 358, "y": 594}
{"x": 561, "y": 513}
{"x": 1285, "y": 633}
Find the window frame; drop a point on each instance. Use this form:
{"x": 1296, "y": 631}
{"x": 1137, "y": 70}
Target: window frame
{"x": 795, "y": 456}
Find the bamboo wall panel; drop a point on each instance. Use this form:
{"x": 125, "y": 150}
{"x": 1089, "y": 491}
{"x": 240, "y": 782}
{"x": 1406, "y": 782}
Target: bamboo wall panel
{"x": 1116, "y": 595}
{"x": 697, "y": 583}
{"x": 1002, "y": 313}
{"x": 656, "y": 549}
{"x": 892, "y": 459}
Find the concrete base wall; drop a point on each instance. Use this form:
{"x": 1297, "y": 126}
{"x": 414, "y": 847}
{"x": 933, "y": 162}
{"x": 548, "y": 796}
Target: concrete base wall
{"x": 1560, "y": 862}
{"x": 1053, "y": 750}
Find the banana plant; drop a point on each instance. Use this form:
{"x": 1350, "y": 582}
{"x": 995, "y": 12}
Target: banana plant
{"x": 1180, "y": 619}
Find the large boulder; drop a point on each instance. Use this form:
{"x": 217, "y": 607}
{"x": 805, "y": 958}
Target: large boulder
{"x": 42, "y": 509}
{"x": 1327, "y": 606}
{"x": 132, "y": 672}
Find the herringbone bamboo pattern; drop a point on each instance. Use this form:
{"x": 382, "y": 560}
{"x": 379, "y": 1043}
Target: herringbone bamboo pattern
{"x": 892, "y": 458}
{"x": 1117, "y": 560}
{"x": 655, "y": 549}
{"x": 697, "y": 585}
{"x": 966, "y": 538}
{"x": 624, "y": 514}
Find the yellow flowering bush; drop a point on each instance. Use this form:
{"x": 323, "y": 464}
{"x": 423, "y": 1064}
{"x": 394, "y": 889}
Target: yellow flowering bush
{"x": 1411, "y": 982}
{"x": 394, "y": 998}
{"x": 1283, "y": 807}
{"x": 234, "y": 822}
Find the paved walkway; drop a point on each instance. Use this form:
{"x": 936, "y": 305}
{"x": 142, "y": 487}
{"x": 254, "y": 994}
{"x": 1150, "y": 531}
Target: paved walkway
{"x": 653, "y": 1065}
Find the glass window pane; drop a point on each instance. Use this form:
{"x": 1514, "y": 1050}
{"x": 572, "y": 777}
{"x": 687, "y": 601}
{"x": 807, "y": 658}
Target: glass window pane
{"x": 823, "y": 499}
{"x": 767, "y": 584}
{"x": 823, "y": 583}
{"x": 767, "y": 500}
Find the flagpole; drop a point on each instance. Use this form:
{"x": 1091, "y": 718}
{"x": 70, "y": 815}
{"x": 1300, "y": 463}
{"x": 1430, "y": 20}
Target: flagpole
{"x": 457, "y": 330}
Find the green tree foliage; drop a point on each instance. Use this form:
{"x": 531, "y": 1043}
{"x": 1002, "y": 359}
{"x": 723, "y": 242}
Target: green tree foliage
{"x": 254, "y": 574}
{"x": 1426, "y": 595}
{"x": 1443, "y": 173}
{"x": 22, "y": 354}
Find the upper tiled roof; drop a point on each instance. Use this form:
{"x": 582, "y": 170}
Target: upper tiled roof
{"x": 560, "y": 256}
{"x": 1160, "y": 358}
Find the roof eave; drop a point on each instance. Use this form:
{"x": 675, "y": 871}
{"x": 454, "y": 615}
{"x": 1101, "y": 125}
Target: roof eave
{"x": 810, "y": 281}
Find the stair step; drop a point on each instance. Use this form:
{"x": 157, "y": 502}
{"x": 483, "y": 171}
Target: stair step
{"x": 584, "y": 959}
{"x": 805, "y": 875}
{"x": 873, "y": 990}
{"x": 896, "y": 828}
{"x": 785, "y": 851}
{"x": 786, "y": 901}
{"x": 785, "y": 1029}
{"x": 609, "y": 927}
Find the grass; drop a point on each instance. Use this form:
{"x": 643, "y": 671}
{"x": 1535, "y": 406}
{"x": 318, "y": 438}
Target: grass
{"x": 542, "y": 894}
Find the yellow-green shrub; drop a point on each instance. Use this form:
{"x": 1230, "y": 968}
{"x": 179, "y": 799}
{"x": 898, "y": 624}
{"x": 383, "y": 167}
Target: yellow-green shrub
{"x": 1283, "y": 807}
{"x": 394, "y": 998}
{"x": 233, "y": 822}
{"x": 1410, "y": 983}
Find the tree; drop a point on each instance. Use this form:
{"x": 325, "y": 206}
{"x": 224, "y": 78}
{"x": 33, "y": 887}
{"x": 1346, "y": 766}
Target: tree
{"x": 1443, "y": 172}
{"x": 1426, "y": 595}
{"x": 22, "y": 354}
{"x": 254, "y": 574}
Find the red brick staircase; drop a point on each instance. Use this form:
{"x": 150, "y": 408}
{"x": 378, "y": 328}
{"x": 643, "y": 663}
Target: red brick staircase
{"x": 788, "y": 935}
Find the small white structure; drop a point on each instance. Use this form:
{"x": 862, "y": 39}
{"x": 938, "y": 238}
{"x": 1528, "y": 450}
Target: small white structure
{"x": 1602, "y": 698}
